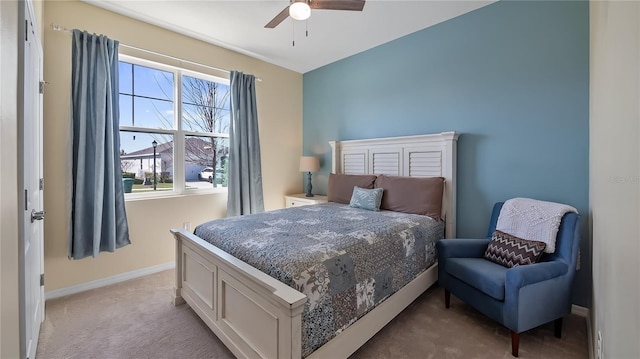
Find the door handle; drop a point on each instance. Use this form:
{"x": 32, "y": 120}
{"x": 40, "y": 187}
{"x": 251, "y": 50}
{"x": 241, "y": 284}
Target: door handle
{"x": 36, "y": 215}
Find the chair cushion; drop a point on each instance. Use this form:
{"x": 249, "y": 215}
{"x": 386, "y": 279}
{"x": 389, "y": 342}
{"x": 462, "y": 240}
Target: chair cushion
{"x": 484, "y": 275}
{"x": 511, "y": 251}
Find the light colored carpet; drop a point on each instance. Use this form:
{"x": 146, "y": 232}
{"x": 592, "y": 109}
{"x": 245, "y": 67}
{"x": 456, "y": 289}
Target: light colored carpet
{"x": 135, "y": 319}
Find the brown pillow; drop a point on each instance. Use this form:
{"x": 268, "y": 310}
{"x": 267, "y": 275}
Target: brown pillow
{"x": 412, "y": 194}
{"x": 341, "y": 186}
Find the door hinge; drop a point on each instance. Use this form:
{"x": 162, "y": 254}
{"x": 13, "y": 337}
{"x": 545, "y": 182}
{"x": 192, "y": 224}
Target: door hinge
{"x": 42, "y": 279}
{"x": 26, "y": 30}
{"x": 26, "y": 199}
{"x": 41, "y": 184}
{"x": 41, "y": 87}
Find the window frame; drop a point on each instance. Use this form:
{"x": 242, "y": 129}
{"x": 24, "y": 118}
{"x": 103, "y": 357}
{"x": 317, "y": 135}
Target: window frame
{"x": 179, "y": 135}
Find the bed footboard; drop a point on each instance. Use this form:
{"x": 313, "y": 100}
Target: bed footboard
{"x": 255, "y": 315}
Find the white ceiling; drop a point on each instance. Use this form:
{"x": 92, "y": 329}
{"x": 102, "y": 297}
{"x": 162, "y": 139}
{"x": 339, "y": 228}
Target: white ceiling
{"x": 333, "y": 35}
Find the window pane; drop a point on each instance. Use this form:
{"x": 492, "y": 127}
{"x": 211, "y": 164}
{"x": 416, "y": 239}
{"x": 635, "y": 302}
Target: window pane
{"x": 125, "y": 71}
{"x": 152, "y": 113}
{"x": 126, "y": 116}
{"x": 153, "y": 83}
{"x": 206, "y": 161}
{"x": 205, "y": 105}
{"x": 146, "y": 97}
{"x": 137, "y": 158}
{"x": 223, "y": 124}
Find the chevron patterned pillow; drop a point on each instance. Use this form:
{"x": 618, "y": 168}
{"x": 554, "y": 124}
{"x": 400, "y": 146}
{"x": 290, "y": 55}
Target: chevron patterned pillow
{"x": 511, "y": 251}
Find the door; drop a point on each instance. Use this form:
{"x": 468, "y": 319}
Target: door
{"x": 32, "y": 295}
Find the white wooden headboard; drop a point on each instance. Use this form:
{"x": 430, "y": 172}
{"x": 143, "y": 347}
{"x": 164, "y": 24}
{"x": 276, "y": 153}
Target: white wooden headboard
{"x": 432, "y": 155}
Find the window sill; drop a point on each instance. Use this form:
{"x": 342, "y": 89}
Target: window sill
{"x": 172, "y": 194}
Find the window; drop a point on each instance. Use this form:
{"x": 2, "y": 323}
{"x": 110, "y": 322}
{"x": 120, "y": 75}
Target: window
{"x": 174, "y": 128}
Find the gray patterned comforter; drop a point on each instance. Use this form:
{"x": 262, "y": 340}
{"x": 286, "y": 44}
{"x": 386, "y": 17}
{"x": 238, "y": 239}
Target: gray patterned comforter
{"x": 345, "y": 260}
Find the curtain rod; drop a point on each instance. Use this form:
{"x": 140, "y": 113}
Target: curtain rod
{"x": 57, "y": 27}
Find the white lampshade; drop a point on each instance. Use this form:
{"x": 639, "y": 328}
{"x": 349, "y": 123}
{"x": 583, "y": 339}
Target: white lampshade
{"x": 299, "y": 10}
{"x": 309, "y": 164}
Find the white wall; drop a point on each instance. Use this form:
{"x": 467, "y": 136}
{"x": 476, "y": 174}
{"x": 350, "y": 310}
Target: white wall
{"x": 615, "y": 176}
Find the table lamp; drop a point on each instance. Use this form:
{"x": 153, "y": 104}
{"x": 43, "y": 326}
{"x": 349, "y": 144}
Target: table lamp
{"x": 309, "y": 164}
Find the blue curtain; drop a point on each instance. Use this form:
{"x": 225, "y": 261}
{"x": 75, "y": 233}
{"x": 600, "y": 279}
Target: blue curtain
{"x": 98, "y": 218}
{"x": 245, "y": 173}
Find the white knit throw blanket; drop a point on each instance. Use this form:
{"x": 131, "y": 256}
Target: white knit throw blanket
{"x": 534, "y": 220}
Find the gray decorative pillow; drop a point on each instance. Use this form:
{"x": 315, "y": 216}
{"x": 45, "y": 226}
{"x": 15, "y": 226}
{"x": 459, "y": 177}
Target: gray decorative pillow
{"x": 369, "y": 199}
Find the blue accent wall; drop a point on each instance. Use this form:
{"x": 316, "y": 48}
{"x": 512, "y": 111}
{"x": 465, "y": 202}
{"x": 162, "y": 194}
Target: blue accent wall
{"x": 512, "y": 78}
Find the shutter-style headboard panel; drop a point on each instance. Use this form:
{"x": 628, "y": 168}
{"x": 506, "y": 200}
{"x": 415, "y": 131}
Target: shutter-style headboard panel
{"x": 354, "y": 163}
{"x": 431, "y": 155}
{"x": 424, "y": 163}
{"x": 387, "y": 163}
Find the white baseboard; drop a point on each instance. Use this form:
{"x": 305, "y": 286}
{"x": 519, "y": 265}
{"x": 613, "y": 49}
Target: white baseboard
{"x": 581, "y": 311}
{"x": 57, "y": 293}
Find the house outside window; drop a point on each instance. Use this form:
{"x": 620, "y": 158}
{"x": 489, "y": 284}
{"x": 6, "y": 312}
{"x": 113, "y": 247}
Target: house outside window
{"x": 186, "y": 114}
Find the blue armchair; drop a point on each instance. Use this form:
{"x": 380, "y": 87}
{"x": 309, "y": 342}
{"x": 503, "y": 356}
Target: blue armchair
{"x": 520, "y": 298}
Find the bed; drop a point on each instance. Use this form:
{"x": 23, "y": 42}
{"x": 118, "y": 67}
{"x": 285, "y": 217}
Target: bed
{"x": 257, "y": 315}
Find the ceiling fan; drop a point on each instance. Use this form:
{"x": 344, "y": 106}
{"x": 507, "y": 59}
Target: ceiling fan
{"x": 301, "y": 9}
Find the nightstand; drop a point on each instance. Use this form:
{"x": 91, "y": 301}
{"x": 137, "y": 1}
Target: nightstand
{"x": 296, "y": 200}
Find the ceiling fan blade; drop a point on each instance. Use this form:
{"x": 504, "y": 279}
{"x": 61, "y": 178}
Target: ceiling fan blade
{"x": 352, "y": 5}
{"x": 278, "y": 19}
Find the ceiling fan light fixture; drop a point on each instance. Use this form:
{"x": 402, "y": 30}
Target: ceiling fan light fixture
{"x": 299, "y": 10}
